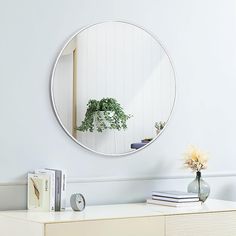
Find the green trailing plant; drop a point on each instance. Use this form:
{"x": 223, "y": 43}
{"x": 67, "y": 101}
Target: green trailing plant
{"x": 104, "y": 114}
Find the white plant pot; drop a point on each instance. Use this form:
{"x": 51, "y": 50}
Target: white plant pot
{"x": 102, "y": 115}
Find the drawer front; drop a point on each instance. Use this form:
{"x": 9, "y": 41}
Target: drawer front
{"x": 206, "y": 224}
{"x": 145, "y": 226}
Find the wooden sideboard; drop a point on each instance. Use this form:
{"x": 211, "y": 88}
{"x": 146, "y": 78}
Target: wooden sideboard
{"x": 213, "y": 218}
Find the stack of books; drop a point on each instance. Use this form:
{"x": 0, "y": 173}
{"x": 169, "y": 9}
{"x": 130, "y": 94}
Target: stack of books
{"x": 47, "y": 190}
{"x": 174, "y": 199}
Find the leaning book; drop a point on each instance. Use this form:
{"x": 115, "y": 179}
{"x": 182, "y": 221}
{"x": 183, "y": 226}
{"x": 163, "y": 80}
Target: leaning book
{"x": 51, "y": 175}
{"x": 38, "y": 192}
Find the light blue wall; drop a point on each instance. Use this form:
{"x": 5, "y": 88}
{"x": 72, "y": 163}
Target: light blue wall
{"x": 200, "y": 37}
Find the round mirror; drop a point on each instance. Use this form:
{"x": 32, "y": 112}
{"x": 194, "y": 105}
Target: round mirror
{"x": 113, "y": 88}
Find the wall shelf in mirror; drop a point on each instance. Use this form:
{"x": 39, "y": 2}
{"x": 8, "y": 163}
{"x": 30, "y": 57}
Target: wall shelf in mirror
{"x": 112, "y": 87}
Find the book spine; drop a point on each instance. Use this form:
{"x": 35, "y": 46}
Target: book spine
{"x": 46, "y": 194}
{"x": 180, "y": 196}
{"x": 173, "y": 204}
{"x": 63, "y": 191}
{"x": 52, "y": 192}
{"x": 58, "y": 190}
{"x": 168, "y": 199}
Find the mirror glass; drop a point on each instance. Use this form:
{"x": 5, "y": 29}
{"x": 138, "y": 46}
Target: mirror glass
{"x": 113, "y": 88}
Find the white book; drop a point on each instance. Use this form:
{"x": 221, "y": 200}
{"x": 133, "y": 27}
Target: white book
{"x": 51, "y": 175}
{"x": 174, "y": 204}
{"x": 169, "y": 199}
{"x": 58, "y": 178}
{"x": 38, "y": 192}
{"x": 175, "y": 194}
{"x": 63, "y": 190}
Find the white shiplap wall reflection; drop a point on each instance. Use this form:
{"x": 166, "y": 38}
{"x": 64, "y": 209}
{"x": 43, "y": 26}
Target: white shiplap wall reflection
{"x": 123, "y": 62}
{"x": 63, "y": 89}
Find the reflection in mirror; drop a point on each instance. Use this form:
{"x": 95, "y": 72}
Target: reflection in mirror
{"x": 113, "y": 88}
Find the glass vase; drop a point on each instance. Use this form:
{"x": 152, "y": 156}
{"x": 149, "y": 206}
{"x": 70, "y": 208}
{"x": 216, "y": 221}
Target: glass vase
{"x": 199, "y": 186}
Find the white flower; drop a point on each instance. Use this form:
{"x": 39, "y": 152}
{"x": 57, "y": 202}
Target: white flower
{"x": 195, "y": 159}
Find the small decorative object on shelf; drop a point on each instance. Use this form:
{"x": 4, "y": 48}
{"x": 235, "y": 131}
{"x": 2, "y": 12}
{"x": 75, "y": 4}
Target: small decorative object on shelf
{"x": 159, "y": 126}
{"x": 77, "y": 202}
{"x": 140, "y": 144}
{"x": 104, "y": 114}
{"x": 196, "y": 160}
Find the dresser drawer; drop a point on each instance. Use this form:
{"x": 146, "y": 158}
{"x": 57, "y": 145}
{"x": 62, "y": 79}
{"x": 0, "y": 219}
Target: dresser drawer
{"x": 145, "y": 226}
{"x": 207, "y": 224}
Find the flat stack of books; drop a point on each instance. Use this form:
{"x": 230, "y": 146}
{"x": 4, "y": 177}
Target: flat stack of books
{"x": 47, "y": 190}
{"x": 174, "y": 199}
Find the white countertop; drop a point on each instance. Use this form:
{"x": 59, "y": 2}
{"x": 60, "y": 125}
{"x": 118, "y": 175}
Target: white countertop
{"x": 101, "y": 212}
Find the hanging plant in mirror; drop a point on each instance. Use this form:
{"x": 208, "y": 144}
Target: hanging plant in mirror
{"x": 104, "y": 114}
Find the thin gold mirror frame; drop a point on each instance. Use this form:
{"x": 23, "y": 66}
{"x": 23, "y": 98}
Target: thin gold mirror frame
{"x": 74, "y": 105}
